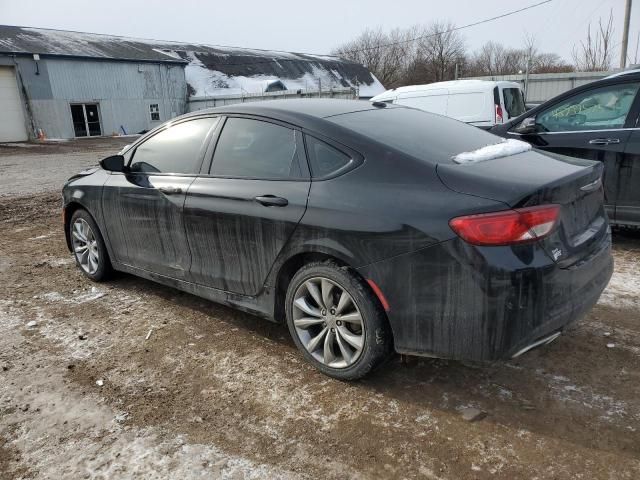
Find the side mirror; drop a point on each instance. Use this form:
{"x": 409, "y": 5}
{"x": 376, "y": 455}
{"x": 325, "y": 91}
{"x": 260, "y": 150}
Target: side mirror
{"x": 114, "y": 163}
{"x": 528, "y": 125}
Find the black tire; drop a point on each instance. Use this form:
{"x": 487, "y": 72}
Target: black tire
{"x": 104, "y": 268}
{"x": 378, "y": 339}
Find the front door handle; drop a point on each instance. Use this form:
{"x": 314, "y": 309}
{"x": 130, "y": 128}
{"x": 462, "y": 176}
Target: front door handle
{"x": 170, "y": 190}
{"x": 604, "y": 141}
{"x": 272, "y": 201}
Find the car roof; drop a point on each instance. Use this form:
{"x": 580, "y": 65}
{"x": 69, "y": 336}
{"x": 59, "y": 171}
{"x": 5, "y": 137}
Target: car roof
{"x": 299, "y": 111}
{"x": 628, "y": 71}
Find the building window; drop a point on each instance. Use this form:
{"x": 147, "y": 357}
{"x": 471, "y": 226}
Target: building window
{"x": 154, "y": 110}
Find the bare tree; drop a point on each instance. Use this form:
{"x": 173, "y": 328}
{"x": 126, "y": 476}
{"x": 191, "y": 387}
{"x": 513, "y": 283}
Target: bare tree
{"x": 495, "y": 59}
{"x": 384, "y": 54}
{"x": 430, "y": 53}
{"x": 594, "y": 53}
{"x": 438, "y": 50}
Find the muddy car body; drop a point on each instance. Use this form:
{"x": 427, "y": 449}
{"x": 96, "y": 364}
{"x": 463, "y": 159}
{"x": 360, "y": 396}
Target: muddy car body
{"x": 364, "y": 236}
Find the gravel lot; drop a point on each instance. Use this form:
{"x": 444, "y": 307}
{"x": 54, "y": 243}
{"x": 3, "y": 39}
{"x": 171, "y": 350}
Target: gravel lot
{"x": 128, "y": 379}
{"x": 33, "y": 167}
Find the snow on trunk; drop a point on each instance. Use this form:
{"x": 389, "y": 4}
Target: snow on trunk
{"x": 489, "y": 152}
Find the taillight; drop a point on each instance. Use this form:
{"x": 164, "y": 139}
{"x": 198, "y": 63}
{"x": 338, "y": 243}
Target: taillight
{"x": 507, "y": 227}
{"x": 498, "y": 114}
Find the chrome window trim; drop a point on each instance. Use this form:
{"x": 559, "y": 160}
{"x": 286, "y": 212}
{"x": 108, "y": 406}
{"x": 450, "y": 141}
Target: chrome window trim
{"x": 578, "y": 131}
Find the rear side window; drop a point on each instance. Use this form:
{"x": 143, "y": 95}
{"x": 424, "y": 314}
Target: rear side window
{"x": 177, "y": 149}
{"x": 423, "y": 135}
{"x": 255, "y": 149}
{"x": 325, "y": 160}
{"x": 513, "y": 102}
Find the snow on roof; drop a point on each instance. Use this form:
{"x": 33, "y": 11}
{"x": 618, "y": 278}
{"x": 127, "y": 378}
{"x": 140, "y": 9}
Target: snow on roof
{"x": 210, "y": 70}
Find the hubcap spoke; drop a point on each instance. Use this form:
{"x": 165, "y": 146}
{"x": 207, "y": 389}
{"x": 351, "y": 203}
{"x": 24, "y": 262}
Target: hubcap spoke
{"x": 307, "y": 322}
{"x": 345, "y": 300}
{"x": 315, "y": 293}
{"x": 302, "y": 304}
{"x": 315, "y": 341}
{"x": 329, "y": 356}
{"x": 344, "y": 350}
{"x": 354, "y": 317}
{"x": 354, "y": 340}
{"x": 326, "y": 293}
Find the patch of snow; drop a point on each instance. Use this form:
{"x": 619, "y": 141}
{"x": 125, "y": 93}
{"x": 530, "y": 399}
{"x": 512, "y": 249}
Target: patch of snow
{"x": 212, "y": 83}
{"x": 505, "y": 148}
{"x": 32, "y": 324}
{"x": 624, "y": 287}
{"x": 613, "y": 410}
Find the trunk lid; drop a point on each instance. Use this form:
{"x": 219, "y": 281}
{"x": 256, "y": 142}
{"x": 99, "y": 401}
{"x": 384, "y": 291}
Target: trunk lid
{"x": 538, "y": 178}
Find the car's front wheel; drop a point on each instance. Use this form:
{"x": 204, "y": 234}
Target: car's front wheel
{"x": 88, "y": 246}
{"x": 336, "y": 322}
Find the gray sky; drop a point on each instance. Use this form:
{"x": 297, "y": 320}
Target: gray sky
{"x": 319, "y": 26}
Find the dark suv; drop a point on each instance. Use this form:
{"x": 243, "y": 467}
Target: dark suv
{"x": 598, "y": 121}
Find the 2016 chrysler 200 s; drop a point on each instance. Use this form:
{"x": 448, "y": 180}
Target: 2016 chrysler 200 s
{"x": 366, "y": 227}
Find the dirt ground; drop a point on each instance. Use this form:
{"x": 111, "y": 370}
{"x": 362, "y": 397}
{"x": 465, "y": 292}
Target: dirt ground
{"x": 128, "y": 379}
{"x": 39, "y": 167}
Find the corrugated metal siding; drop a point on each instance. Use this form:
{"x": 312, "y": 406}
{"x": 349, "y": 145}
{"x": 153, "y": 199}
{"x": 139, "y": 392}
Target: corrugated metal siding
{"x": 544, "y": 86}
{"x": 123, "y": 90}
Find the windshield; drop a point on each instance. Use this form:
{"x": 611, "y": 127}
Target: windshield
{"x": 423, "y": 135}
{"x": 513, "y": 102}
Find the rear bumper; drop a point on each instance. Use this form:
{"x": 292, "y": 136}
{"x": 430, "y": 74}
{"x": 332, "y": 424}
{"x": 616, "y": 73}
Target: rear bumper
{"x": 454, "y": 300}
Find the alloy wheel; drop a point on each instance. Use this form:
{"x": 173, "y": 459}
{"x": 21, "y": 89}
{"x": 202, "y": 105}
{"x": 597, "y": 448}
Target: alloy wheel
{"x": 85, "y": 246}
{"x": 328, "y": 322}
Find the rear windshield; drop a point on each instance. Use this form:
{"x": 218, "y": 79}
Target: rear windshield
{"x": 513, "y": 102}
{"x": 423, "y": 135}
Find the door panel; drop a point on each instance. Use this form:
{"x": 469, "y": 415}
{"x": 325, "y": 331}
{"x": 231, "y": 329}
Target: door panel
{"x": 628, "y": 200}
{"x": 145, "y": 204}
{"x": 234, "y": 238}
{"x": 579, "y": 145}
{"x": 146, "y": 224}
{"x": 239, "y": 219}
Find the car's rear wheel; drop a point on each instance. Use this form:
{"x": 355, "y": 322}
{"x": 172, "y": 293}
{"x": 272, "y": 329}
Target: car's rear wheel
{"x": 88, "y": 246}
{"x": 336, "y": 322}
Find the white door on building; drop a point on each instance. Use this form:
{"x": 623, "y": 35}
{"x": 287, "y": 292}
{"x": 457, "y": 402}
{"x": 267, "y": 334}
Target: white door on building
{"x": 12, "y": 125}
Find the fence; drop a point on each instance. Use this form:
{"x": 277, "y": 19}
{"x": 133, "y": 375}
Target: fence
{"x": 198, "y": 103}
{"x": 544, "y": 86}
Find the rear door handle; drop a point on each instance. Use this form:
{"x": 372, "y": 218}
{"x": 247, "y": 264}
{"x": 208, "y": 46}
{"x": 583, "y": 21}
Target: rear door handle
{"x": 170, "y": 190}
{"x": 272, "y": 201}
{"x": 604, "y": 141}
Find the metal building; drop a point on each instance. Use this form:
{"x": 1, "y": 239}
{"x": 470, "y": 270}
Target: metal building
{"x": 60, "y": 84}
{"x": 62, "y": 89}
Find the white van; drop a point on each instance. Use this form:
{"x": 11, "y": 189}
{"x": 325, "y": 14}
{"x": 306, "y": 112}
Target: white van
{"x": 481, "y": 103}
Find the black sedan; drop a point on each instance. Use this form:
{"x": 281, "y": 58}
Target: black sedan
{"x": 367, "y": 228}
{"x": 598, "y": 121}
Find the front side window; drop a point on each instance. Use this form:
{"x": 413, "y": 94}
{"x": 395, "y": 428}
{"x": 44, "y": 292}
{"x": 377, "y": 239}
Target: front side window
{"x": 513, "y": 102}
{"x": 598, "y": 109}
{"x": 154, "y": 111}
{"x": 177, "y": 149}
{"x": 325, "y": 160}
{"x": 255, "y": 149}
